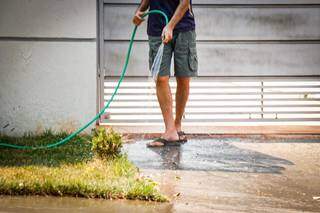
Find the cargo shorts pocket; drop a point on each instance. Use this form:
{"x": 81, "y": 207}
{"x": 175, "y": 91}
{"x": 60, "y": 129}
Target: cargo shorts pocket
{"x": 152, "y": 55}
{"x": 193, "y": 59}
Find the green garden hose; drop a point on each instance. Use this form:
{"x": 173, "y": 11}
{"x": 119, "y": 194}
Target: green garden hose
{"x": 124, "y": 69}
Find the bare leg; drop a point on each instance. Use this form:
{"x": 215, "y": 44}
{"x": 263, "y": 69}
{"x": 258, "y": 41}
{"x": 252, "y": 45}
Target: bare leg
{"x": 165, "y": 100}
{"x": 182, "y": 95}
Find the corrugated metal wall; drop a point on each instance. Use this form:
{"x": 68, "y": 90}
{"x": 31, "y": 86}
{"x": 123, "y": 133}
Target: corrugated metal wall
{"x": 235, "y": 38}
{"x": 259, "y": 64}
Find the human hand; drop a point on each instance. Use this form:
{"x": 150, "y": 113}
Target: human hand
{"x": 137, "y": 19}
{"x": 167, "y": 34}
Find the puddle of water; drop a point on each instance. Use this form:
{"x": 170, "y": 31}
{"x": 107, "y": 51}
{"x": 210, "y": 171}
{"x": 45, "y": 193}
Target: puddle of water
{"x": 204, "y": 155}
{"x": 35, "y": 204}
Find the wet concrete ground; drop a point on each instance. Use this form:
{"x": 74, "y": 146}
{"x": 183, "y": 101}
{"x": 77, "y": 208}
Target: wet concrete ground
{"x": 205, "y": 155}
{"x": 235, "y": 175}
{"x": 211, "y": 175}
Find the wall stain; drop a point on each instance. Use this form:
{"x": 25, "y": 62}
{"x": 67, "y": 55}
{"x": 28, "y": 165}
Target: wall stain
{"x": 5, "y": 126}
{"x": 68, "y": 126}
{"x": 278, "y": 21}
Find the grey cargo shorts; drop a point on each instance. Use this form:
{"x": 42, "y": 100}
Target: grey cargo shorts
{"x": 183, "y": 46}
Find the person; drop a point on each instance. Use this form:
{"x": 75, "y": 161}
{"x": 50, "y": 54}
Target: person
{"x": 179, "y": 37}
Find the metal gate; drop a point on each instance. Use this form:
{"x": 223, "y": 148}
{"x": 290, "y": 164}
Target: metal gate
{"x": 259, "y": 65}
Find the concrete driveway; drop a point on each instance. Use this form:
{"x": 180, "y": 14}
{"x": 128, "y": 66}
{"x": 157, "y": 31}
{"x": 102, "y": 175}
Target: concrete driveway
{"x": 220, "y": 174}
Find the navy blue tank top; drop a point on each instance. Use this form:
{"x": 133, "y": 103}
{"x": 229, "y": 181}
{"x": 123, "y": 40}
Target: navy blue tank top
{"x": 156, "y": 22}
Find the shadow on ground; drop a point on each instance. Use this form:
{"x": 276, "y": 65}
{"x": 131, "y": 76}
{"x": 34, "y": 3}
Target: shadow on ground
{"x": 204, "y": 155}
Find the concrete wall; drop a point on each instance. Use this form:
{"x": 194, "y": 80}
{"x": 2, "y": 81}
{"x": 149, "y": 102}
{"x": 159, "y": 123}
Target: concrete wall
{"x": 47, "y": 64}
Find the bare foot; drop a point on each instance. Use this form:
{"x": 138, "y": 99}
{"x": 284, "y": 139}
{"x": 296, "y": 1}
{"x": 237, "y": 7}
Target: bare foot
{"x": 170, "y": 135}
{"x": 182, "y": 135}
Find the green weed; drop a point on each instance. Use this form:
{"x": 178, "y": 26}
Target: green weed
{"x": 106, "y": 144}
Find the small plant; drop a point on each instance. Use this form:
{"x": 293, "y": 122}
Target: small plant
{"x": 106, "y": 144}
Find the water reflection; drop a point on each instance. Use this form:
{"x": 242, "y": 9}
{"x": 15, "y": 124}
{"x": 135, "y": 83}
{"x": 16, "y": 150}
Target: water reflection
{"x": 169, "y": 155}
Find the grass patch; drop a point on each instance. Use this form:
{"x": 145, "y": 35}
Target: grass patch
{"x": 70, "y": 170}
